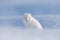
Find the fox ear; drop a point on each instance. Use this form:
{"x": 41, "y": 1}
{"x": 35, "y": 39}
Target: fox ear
{"x": 29, "y": 13}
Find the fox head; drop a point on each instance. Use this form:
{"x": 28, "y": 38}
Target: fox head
{"x": 27, "y": 17}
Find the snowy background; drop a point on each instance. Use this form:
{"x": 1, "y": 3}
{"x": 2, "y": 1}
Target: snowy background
{"x": 47, "y": 12}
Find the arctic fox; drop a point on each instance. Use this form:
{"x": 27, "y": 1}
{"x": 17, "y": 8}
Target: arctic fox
{"x": 30, "y": 22}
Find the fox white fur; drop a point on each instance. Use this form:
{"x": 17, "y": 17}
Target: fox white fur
{"x": 30, "y": 22}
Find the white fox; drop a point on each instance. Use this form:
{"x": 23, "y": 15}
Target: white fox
{"x": 31, "y": 22}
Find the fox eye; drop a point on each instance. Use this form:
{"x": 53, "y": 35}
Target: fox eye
{"x": 27, "y": 19}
